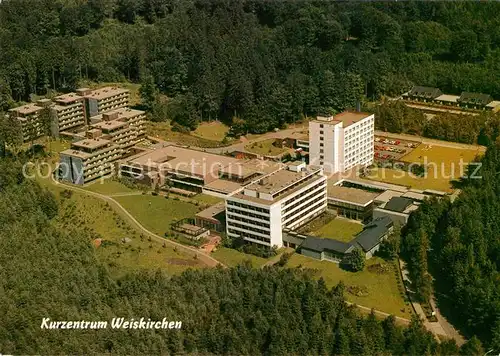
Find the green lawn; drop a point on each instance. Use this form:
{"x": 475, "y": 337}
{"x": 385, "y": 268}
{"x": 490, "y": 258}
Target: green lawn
{"x": 215, "y": 130}
{"x": 156, "y": 213}
{"x": 206, "y": 199}
{"x": 367, "y": 288}
{"x": 108, "y": 187}
{"x": 231, "y": 257}
{"x": 443, "y": 165}
{"x": 339, "y": 229}
{"x": 265, "y": 148}
{"x": 137, "y": 254}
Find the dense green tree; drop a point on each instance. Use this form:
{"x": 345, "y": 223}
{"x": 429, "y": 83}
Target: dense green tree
{"x": 355, "y": 260}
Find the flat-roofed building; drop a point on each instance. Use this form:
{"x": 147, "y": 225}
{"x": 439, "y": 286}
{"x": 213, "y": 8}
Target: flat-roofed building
{"x": 182, "y": 168}
{"x": 105, "y": 99}
{"x": 123, "y": 126}
{"x": 68, "y": 112}
{"x": 28, "y": 117}
{"x": 352, "y": 203}
{"x": 117, "y": 131}
{"x": 212, "y": 218}
{"x": 285, "y": 199}
{"x": 238, "y": 174}
{"x": 342, "y": 142}
{"x": 87, "y": 160}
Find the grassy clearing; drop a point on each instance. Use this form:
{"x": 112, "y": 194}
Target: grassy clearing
{"x": 231, "y": 257}
{"x": 206, "y": 199}
{"x": 156, "y": 213}
{"x": 162, "y": 130}
{"x": 339, "y": 229}
{"x": 138, "y": 253}
{"x": 447, "y": 156}
{"x": 444, "y": 164}
{"x": 265, "y": 148}
{"x": 374, "y": 287}
{"x": 215, "y": 130}
{"x": 108, "y": 186}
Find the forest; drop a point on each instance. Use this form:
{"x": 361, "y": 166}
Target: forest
{"x": 267, "y": 63}
{"x": 454, "y": 248}
{"x": 50, "y": 271}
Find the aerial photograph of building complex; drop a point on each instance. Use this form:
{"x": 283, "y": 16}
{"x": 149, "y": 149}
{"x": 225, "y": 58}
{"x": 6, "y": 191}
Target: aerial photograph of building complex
{"x": 249, "y": 177}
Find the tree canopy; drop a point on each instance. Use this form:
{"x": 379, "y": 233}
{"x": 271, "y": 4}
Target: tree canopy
{"x": 268, "y": 63}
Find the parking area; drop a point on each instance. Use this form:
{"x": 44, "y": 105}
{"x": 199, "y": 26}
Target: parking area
{"x": 392, "y": 149}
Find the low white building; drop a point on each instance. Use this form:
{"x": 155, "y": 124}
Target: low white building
{"x": 338, "y": 143}
{"x": 287, "y": 198}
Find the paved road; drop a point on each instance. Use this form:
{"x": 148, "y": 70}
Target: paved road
{"x": 208, "y": 260}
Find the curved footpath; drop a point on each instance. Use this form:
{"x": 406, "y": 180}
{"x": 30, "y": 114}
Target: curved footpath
{"x": 207, "y": 259}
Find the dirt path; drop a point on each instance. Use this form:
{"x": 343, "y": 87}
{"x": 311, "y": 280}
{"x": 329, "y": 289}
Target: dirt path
{"x": 380, "y": 313}
{"x": 208, "y": 260}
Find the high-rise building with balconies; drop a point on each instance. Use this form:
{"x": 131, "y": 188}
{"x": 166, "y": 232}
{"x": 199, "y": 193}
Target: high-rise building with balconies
{"x": 338, "y": 143}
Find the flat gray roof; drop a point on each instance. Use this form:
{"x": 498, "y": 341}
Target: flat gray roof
{"x": 279, "y": 180}
{"x": 210, "y": 212}
{"x": 352, "y": 195}
{"x": 347, "y": 118}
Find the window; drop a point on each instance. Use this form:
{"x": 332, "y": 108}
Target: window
{"x": 321, "y": 144}
{"x": 321, "y": 150}
{"x": 321, "y": 132}
{"x": 321, "y": 157}
{"x": 321, "y": 125}
{"x": 321, "y": 138}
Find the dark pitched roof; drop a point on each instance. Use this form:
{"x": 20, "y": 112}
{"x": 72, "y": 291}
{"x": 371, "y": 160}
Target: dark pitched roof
{"x": 425, "y": 92}
{"x": 373, "y": 233}
{"x": 475, "y": 98}
{"x": 398, "y": 204}
{"x": 319, "y": 245}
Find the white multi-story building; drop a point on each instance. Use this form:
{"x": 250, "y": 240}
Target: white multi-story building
{"x": 287, "y": 198}
{"x": 341, "y": 142}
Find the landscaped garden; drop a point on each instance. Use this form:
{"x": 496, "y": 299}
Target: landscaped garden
{"x": 377, "y": 286}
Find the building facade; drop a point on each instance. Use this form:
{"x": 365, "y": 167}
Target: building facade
{"x": 87, "y": 160}
{"x": 29, "y": 119}
{"x": 124, "y": 126}
{"x": 104, "y": 99}
{"x": 68, "y": 112}
{"x": 285, "y": 199}
{"x": 342, "y": 142}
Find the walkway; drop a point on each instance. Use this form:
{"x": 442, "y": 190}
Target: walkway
{"x": 440, "y": 328}
{"x": 380, "y": 313}
{"x": 207, "y": 259}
